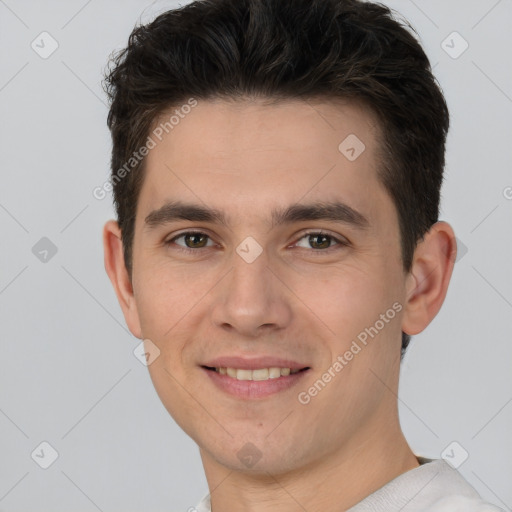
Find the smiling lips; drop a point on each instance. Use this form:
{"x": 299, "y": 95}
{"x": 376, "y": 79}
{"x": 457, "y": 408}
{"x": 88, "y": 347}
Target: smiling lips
{"x": 243, "y": 385}
{"x": 255, "y": 369}
{"x": 273, "y": 372}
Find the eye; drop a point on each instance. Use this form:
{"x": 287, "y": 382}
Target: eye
{"x": 320, "y": 241}
{"x": 191, "y": 240}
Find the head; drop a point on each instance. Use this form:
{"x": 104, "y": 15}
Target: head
{"x": 274, "y": 116}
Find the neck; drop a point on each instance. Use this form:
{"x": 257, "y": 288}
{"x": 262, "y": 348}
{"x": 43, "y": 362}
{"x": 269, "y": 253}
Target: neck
{"x": 337, "y": 482}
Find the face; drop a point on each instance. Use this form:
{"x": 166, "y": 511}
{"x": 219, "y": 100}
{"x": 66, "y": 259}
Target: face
{"x": 266, "y": 278}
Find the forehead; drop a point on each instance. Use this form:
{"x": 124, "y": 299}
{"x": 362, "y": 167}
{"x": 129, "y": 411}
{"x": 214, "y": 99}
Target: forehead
{"x": 231, "y": 128}
{"x": 252, "y": 154}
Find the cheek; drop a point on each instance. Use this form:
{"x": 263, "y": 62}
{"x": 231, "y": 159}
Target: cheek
{"x": 155, "y": 298}
{"x": 163, "y": 296}
{"x": 169, "y": 383}
{"x": 164, "y": 306}
{"x": 171, "y": 302}
{"x": 346, "y": 301}
{"x": 361, "y": 308}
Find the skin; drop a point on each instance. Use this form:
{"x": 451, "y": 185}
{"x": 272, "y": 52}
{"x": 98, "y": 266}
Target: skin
{"x": 246, "y": 158}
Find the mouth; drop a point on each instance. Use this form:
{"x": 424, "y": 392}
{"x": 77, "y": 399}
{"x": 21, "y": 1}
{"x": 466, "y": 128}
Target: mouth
{"x": 258, "y": 374}
{"x": 256, "y": 383}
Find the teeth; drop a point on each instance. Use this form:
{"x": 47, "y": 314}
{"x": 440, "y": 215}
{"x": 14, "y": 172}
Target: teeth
{"x": 274, "y": 373}
{"x": 259, "y": 374}
{"x": 262, "y": 374}
{"x": 244, "y": 374}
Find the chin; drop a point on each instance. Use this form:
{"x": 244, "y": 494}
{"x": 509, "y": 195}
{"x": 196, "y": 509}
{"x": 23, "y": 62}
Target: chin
{"x": 256, "y": 458}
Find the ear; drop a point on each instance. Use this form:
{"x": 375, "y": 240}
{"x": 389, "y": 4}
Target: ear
{"x": 118, "y": 274}
{"x": 427, "y": 282}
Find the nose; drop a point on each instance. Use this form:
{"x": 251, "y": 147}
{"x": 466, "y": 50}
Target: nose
{"x": 253, "y": 298}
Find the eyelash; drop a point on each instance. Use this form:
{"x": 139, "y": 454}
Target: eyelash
{"x": 339, "y": 242}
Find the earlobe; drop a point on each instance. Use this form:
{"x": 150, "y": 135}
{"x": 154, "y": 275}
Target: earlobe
{"x": 118, "y": 274}
{"x": 427, "y": 283}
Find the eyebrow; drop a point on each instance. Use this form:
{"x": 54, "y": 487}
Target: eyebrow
{"x": 329, "y": 211}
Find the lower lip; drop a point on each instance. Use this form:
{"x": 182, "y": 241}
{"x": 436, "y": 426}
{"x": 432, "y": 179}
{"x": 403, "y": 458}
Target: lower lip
{"x": 251, "y": 389}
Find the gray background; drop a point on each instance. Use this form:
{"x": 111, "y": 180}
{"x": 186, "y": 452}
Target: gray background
{"x": 68, "y": 375}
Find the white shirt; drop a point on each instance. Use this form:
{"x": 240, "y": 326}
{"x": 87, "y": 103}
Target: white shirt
{"x": 432, "y": 487}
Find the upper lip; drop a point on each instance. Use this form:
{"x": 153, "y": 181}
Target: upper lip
{"x": 253, "y": 363}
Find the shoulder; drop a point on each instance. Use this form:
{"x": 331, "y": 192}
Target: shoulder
{"x": 459, "y": 503}
{"x": 448, "y": 490}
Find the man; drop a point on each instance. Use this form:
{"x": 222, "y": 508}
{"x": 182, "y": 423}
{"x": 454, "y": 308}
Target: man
{"x": 277, "y": 167}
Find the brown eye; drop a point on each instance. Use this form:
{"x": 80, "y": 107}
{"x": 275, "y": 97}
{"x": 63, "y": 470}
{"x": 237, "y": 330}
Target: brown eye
{"x": 319, "y": 241}
{"x": 193, "y": 240}
{"x": 190, "y": 240}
